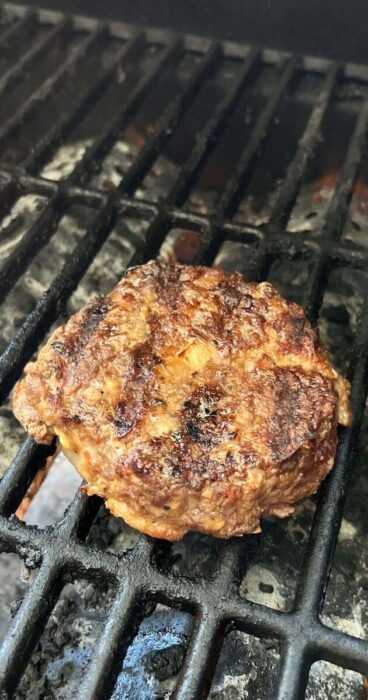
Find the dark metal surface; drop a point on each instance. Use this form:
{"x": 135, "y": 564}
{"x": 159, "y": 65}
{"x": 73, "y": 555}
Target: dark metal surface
{"x": 60, "y": 551}
{"x": 332, "y": 28}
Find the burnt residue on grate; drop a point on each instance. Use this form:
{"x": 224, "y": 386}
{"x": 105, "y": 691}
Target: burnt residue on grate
{"x": 121, "y": 145}
{"x": 61, "y": 657}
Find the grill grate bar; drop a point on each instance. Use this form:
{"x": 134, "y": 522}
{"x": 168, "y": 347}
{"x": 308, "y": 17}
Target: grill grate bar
{"x": 336, "y": 215}
{"x": 64, "y": 554}
{"x": 41, "y": 46}
{"x": 319, "y": 555}
{"x": 234, "y": 189}
{"x": 26, "y": 23}
{"x": 199, "y": 667}
{"x": 290, "y": 186}
{"x": 313, "y": 295}
{"x": 169, "y": 120}
{"x": 70, "y": 118}
{"x": 99, "y": 149}
{"x": 50, "y": 304}
{"x": 121, "y": 625}
{"x": 206, "y": 140}
{"x": 15, "y": 482}
{"x": 294, "y": 667}
{"x": 250, "y": 617}
{"x": 30, "y": 244}
{"x": 36, "y": 607}
{"x": 285, "y": 243}
{"x": 338, "y": 209}
{"x": 50, "y": 84}
{"x": 299, "y": 652}
{"x": 79, "y": 515}
{"x": 340, "y": 648}
{"x": 43, "y": 228}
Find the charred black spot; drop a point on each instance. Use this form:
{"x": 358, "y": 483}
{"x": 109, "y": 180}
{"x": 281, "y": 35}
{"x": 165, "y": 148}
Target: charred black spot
{"x": 122, "y": 427}
{"x": 125, "y": 419}
{"x": 246, "y": 302}
{"x": 231, "y": 296}
{"x": 156, "y": 401}
{"x": 95, "y": 311}
{"x": 196, "y": 434}
{"x": 59, "y": 347}
{"x": 298, "y": 324}
{"x": 200, "y": 416}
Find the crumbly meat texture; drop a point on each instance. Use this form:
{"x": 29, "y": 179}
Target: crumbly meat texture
{"x": 190, "y": 400}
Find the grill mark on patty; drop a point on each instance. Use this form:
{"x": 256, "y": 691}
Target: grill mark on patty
{"x": 136, "y": 400}
{"x": 291, "y": 426}
{"x": 230, "y": 296}
{"x": 93, "y": 314}
{"x": 188, "y": 451}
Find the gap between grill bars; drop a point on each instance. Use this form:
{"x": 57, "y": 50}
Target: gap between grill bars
{"x": 60, "y": 549}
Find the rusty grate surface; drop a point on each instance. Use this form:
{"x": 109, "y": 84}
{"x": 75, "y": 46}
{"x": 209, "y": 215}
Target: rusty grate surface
{"x": 59, "y": 78}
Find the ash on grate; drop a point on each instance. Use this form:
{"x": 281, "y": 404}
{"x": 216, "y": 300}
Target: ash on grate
{"x": 112, "y": 534}
{"x": 329, "y": 681}
{"x": 155, "y": 656}
{"x": 246, "y": 668}
{"x": 61, "y": 657}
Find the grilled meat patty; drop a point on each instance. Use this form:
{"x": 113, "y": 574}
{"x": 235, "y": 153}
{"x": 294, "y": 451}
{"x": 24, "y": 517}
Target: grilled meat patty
{"x": 190, "y": 400}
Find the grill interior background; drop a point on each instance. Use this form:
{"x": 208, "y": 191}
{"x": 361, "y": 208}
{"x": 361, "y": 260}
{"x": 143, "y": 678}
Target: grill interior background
{"x": 58, "y": 73}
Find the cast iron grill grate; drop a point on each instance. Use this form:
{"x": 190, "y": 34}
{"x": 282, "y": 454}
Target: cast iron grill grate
{"x": 60, "y": 550}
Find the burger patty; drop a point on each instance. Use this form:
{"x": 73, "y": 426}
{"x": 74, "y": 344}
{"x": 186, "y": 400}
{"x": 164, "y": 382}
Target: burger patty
{"x": 190, "y": 400}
